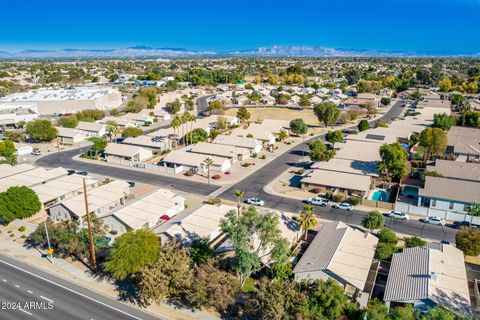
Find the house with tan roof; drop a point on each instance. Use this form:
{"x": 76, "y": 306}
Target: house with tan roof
{"x": 464, "y": 143}
{"x": 429, "y": 276}
{"x": 116, "y": 151}
{"x": 230, "y": 152}
{"x": 91, "y": 129}
{"x": 70, "y": 136}
{"x": 336, "y": 182}
{"x": 184, "y": 160}
{"x": 339, "y": 252}
{"x": 251, "y": 144}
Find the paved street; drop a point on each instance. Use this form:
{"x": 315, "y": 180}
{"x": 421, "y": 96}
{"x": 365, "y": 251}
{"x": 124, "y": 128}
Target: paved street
{"x": 50, "y": 297}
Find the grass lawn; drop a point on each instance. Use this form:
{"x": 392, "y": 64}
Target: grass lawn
{"x": 249, "y": 286}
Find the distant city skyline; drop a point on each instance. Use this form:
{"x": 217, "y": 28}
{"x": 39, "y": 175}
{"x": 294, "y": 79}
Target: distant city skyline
{"x": 217, "y": 25}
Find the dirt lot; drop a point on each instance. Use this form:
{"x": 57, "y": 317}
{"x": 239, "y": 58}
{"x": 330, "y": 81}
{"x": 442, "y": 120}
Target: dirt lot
{"x": 259, "y": 114}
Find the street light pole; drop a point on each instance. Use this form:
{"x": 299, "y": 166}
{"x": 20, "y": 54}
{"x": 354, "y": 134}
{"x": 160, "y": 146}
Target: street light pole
{"x": 90, "y": 236}
{"x": 48, "y": 241}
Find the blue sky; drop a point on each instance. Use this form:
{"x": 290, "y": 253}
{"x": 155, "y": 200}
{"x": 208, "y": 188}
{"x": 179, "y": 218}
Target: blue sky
{"x": 420, "y": 25}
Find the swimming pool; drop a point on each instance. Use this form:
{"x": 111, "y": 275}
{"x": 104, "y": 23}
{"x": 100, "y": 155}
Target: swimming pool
{"x": 381, "y": 195}
{"x": 410, "y": 191}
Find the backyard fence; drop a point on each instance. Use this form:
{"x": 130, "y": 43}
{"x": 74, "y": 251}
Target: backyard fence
{"x": 426, "y": 212}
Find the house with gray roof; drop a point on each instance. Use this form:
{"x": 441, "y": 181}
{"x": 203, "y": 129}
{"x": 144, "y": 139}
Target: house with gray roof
{"x": 429, "y": 276}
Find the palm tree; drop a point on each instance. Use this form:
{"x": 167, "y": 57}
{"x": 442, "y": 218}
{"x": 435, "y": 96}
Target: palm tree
{"x": 186, "y": 117}
{"x": 307, "y": 219}
{"x": 193, "y": 119}
{"x": 239, "y": 194}
{"x": 208, "y": 162}
{"x": 175, "y": 124}
{"x": 112, "y": 128}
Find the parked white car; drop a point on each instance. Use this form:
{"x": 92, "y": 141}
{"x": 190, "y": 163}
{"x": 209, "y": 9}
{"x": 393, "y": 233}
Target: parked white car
{"x": 435, "y": 220}
{"x": 256, "y": 202}
{"x": 318, "y": 201}
{"x": 398, "y": 215}
{"x": 344, "y": 206}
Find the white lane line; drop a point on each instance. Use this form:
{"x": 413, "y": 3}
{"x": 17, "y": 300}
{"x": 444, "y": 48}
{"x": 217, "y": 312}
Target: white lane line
{"x": 25, "y": 311}
{"x": 71, "y": 290}
{"x": 17, "y": 286}
{"x": 30, "y": 291}
{"x": 45, "y": 298}
{"x": 4, "y": 280}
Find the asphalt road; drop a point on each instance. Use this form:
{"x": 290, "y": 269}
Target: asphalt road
{"x": 65, "y": 159}
{"x": 29, "y": 293}
{"x": 202, "y": 105}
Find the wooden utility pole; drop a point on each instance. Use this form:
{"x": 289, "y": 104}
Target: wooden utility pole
{"x": 90, "y": 236}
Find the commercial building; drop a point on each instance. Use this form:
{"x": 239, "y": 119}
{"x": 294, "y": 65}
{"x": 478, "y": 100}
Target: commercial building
{"x": 13, "y": 113}
{"x": 146, "y": 212}
{"x": 429, "y": 276}
{"x": 339, "y": 252}
{"x": 59, "y": 101}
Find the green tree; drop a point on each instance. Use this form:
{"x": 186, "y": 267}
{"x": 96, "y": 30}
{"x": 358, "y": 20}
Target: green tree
{"x": 387, "y": 236}
{"x": 327, "y": 113}
{"x": 132, "y": 132}
{"x": 468, "y": 240}
{"x": 298, "y": 127}
{"x": 15, "y": 136}
{"x": 445, "y": 85}
{"x": 68, "y": 121}
{"x": 282, "y": 135}
{"x": 319, "y": 152}
{"x": 173, "y": 107}
{"x": 243, "y": 114}
{"x": 374, "y": 220}
{"x": 136, "y": 105}
{"x": 439, "y": 313}
{"x": 207, "y": 163}
{"x": 18, "y": 203}
{"x": 112, "y": 129}
{"x": 385, "y": 250}
{"x": 443, "y": 121}
{"x": 394, "y": 162}
{"x": 171, "y": 276}
{"x": 363, "y": 125}
{"x": 222, "y": 123}
{"x": 41, "y": 130}
{"x": 385, "y": 101}
{"x": 427, "y": 173}
{"x": 212, "y": 288}
{"x": 216, "y": 106}
{"x": 132, "y": 252}
{"x": 99, "y": 144}
{"x": 412, "y": 242}
{"x": 434, "y": 141}
{"x": 251, "y": 234}
{"x": 90, "y": 115}
{"x": 406, "y": 312}
{"x": 239, "y": 194}
{"x": 377, "y": 310}
{"x": 197, "y": 135}
{"x": 307, "y": 219}
{"x": 201, "y": 251}
{"x": 334, "y": 136}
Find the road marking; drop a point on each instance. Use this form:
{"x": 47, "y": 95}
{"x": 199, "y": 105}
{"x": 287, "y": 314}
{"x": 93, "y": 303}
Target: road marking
{"x": 29, "y": 291}
{"x": 25, "y": 311}
{"x": 4, "y": 280}
{"x": 71, "y": 290}
{"x": 45, "y": 298}
{"x": 17, "y": 286}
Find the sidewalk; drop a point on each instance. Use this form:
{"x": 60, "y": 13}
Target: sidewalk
{"x": 76, "y": 272}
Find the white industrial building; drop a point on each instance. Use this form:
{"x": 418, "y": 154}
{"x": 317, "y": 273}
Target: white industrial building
{"x": 59, "y": 101}
{"x": 13, "y": 113}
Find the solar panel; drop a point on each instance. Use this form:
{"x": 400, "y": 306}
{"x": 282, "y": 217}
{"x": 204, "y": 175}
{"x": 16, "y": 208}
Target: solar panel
{"x": 375, "y": 137}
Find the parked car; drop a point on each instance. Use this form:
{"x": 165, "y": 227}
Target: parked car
{"x": 36, "y": 152}
{"x": 398, "y": 215}
{"x": 81, "y": 172}
{"x": 70, "y": 172}
{"x": 256, "y": 202}
{"x": 318, "y": 201}
{"x": 460, "y": 224}
{"x": 344, "y": 206}
{"x": 131, "y": 184}
{"x": 434, "y": 220}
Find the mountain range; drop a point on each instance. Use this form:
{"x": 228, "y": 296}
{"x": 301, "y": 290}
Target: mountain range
{"x": 142, "y": 51}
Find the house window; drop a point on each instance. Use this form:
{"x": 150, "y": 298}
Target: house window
{"x": 451, "y": 206}
{"x": 434, "y": 203}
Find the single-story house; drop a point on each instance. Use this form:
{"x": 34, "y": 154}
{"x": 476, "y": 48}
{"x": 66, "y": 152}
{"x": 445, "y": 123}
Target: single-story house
{"x": 339, "y": 252}
{"x": 251, "y": 144}
{"x": 154, "y": 143}
{"x": 468, "y": 171}
{"x": 22, "y": 149}
{"x": 368, "y": 168}
{"x": 224, "y": 151}
{"x": 195, "y": 161}
{"x": 7, "y": 170}
{"x": 159, "y": 114}
{"x": 91, "y": 129}
{"x": 115, "y": 151}
{"x": 31, "y": 178}
{"x": 138, "y": 119}
{"x": 61, "y": 189}
{"x": 145, "y": 212}
{"x": 203, "y": 222}
{"x": 337, "y": 182}
{"x": 121, "y": 122}
{"x": 70, "y": 136}
{"x": 101, "y": 201}
{"x": 429, "y": 276}
{"x": 464, "y": 142}
{"x": 434, "y": 103}
{"x": 446, "y": 194}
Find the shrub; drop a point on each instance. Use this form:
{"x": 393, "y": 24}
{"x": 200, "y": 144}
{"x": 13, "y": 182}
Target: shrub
{"x": 385, "y": 250}
{"x": 213, "y": 201}
{"x": 300, "y": 171}
{"x": 216, "y": 177}
{"x": 338, "y": 198}
{"x": 12, "y": 235}
{"x": 328, "y": 194}
{"x": 363, "y": 125}
{"x": 354, "y": 201}
{"x": 21, "y": 229}
{"x": 387, "y": 236}
{"x": 246, "y": 164}
{"x": 414, "y": 242}
{"x": 189, "y": 173}
{"x": 254, "y": 155}
{"x": 263, "y": 157}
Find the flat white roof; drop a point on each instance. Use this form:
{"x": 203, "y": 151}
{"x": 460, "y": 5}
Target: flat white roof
{"x": 80, "y": 93}
{"x": 60, "y": 187}
{"x": 9, "y": 170}
{"x": 232, "y": 140}
{"x": 218, "y": 150}
{"x": 31, "y": 177}
{"x": 123, "y": 150}
{"x": 192, "y": 159}
{"x": 341, "y": 180}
